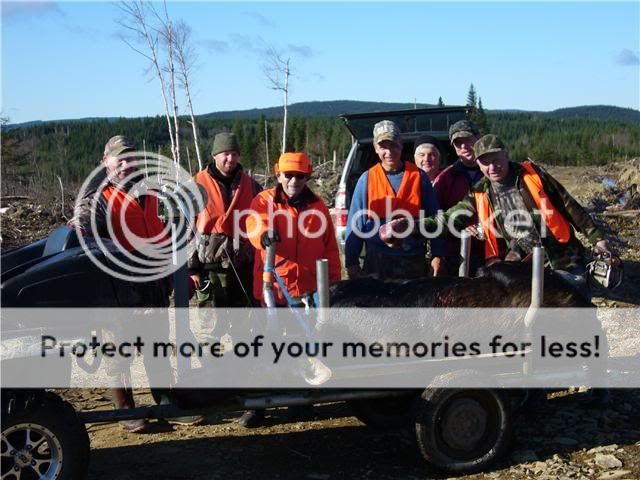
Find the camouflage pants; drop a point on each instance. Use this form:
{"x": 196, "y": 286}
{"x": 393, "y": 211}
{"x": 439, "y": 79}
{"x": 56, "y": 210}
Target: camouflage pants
{"x": 151, "y": 326}
{"x": 221, "y": 289}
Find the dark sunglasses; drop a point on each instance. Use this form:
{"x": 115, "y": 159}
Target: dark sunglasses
{"x": 290, "y": 175}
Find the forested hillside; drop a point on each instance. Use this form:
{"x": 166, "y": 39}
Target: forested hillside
{"x": 34, "y": 156}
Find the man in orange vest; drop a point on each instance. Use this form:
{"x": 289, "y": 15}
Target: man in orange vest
{"x": 118, "y": 199}
{"x": 390, "y": 188}
{"x": 520, "y": 206}
{"x": 221, "y": 259}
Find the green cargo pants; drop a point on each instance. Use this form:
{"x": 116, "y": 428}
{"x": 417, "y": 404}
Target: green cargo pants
{"x": 221, "y": 289}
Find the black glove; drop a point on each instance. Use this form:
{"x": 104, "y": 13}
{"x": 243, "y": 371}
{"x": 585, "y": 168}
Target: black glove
{"x": 269, "y": 238}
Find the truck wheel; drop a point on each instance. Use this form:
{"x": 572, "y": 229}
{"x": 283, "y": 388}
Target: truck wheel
{"x": 385, "y": 413}
{"x": 462, "y": 430}
{"x": 42, "y": 438}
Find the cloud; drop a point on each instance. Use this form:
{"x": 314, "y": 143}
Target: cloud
{"x": 262, "y": 20}
{"x": 26, "y": 9}
{"x": 247, "y": 43}
{"x": 303, "y": 50}
{"x": 318, "y": 76}
{"x": 626, "y": 57}
{"x": 256, "y": 45}
{"x": 216, "y": 46}
{"x": 237, "y": 42}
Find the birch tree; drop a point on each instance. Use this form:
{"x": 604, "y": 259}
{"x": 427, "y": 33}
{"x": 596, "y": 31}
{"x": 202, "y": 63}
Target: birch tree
{"x": 136, "y": 21}
{"x": 186, "y": 59}
{"x": 167, "y": 33}
{"x": 277, "y": 71}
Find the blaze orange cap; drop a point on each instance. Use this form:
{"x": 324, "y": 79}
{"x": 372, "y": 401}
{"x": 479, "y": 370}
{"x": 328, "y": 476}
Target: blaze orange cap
{"x": 294, "y": 162}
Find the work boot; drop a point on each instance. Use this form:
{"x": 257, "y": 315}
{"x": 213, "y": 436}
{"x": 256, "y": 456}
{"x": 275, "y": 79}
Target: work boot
{"x": 165, "y": 397}
{"x": 187, "y": 420}
{"x": 123, "y": 399}
{"x": 252, "y": 419}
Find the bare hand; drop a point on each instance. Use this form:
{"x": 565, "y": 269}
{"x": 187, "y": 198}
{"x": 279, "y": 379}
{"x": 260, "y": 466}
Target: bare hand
{"x": 474, "y": 232}
{"x": 195, "y": 278}
{"x": 389, "y": 231}
{"x": 438, "y": 267}
{"x": 603, "y": 247}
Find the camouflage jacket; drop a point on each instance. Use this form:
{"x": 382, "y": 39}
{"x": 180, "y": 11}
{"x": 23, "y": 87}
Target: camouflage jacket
{"x": 565, "y": 256}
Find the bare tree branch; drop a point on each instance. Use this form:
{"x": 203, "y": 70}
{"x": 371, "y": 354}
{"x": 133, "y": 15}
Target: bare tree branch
{"x": 277, "y": 72}
{"x": 186, "y": 60}
{"x": 135, "y": 20}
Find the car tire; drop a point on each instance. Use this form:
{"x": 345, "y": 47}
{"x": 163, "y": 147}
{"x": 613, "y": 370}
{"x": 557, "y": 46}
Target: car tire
{"x": 463, "y": 430}
{"x": 42, "y": 437}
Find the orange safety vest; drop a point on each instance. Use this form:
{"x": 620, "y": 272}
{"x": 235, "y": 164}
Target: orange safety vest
{"x": 560, "y": 228}
{"x": 379, "y": 190}
{"x": 126, "y": 211}
{"x": 215, "y": 218}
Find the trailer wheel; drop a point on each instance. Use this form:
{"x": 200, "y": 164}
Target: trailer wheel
{"x": 385, "y": 413}
{"x": 42, "y": 438}
{"x": 463, "y": 430}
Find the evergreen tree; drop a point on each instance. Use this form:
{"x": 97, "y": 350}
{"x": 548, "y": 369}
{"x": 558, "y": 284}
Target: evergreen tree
{"x": 479, "y": 117}
{"x": 472, "y": 99}
{"x": 440, "y": 102}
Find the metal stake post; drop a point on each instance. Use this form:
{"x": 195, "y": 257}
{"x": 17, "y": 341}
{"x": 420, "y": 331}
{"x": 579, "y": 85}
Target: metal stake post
{"x": 465, "y": 254}
{"x": 537, "y": 294}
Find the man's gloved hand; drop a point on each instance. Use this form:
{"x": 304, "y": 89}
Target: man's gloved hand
{"x": 389, "y": 231}
{"x": 269, "y": 238}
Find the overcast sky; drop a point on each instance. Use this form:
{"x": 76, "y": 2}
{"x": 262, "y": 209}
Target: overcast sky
{"x": 66, "y": 60}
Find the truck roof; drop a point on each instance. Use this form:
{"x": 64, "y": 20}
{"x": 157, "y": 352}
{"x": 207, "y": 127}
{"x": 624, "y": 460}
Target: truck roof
{"x": 412, "y": 122}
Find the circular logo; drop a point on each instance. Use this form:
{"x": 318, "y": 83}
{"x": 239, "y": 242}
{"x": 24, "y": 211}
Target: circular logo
{"x": 138, "y": 209}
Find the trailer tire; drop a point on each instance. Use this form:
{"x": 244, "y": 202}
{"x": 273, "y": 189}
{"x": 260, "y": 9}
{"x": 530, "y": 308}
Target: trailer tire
{"x": 42, "y": 437}
{"x": 385, "y": 413}
{"x": 463, "y": 430}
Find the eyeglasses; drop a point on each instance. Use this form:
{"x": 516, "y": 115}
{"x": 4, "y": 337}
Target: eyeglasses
{"x": 462, "y": 141}
{"x": 290, "y": 175}
{"x": 487, "y": 160}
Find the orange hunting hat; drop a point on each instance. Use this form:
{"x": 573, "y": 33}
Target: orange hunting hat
{"x": 294, "y": 162}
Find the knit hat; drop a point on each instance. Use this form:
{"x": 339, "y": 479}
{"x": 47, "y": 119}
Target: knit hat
{"x": 225, "y": 142}
{"x": 425, "y": 139}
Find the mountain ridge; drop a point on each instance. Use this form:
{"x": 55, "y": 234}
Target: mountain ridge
{"x": 339, "y": 107}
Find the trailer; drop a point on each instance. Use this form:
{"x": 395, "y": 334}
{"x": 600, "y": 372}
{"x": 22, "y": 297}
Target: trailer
{"x": 459, "y": 430}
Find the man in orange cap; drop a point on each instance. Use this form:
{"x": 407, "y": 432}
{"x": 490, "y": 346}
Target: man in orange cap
{"x": 297, "y": 221}
{"x": 301, "y": 227}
